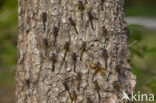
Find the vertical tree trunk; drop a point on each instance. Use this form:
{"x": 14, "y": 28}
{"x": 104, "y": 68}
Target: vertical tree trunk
{"x": 72, "y": 51}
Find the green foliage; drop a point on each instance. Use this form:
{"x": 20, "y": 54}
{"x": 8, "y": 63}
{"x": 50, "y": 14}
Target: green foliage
{"x": 8, "y": 50}
{"x": 135, "y": 32}
{"x": 5, "y": 77}
{"x": 144, "y": 8}
{"x": 8, "y": 4}
{"x": 2, "y": 3}
{"x": 8, "y": 33}
{"x": 152, "y": 86}
{"x": 143, "y": 56}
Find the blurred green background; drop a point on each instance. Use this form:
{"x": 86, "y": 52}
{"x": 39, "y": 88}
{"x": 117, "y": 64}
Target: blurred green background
{"x": 143, "y": 56}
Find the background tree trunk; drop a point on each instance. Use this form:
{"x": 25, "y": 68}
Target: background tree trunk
{"x": 72, "y": 51}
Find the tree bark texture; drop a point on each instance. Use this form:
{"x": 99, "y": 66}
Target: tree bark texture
{"x": 72, "y": 51}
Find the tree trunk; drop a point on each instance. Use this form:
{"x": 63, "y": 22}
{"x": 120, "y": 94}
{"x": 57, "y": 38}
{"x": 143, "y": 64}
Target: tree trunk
{"x": 72, "y": 51}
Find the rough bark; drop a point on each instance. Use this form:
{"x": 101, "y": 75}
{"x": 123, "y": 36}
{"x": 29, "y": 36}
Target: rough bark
{"x": 72, "y": 51}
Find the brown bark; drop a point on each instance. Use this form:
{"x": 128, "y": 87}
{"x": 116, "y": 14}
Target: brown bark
{"x": 72, "y": 52}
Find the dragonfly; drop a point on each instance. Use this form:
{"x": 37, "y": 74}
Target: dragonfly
{"x": 97, "y": 68}
{"x": 66, "y": 48}
{"x": 97, "y": 88}
{"x": 74, "y": 58}
{"x": 81, "y": 7}
{"x": 78, "y": 78}
{"x": 89, "y": 100}
{"x": 82, "y": 49}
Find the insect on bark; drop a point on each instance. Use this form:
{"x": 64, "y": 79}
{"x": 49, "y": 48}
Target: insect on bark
{"x": 53, "y": 62}
{"x": 91, "y": 18}
{"x": 105, "y": 56}
{"x": 116, "y": 85}
{"x": 98, "y": 69}
{"x": 89, "y": 100}
{"x": 78, "y": 80}
{"x": 74, "y": 58}
{"x": 55, "y": 33}
{"x": 73, "y": 24}
{"x": 97, "y": 88}
{"x": 102, "y": 2}
{"x": 44, "y": 19}
{"x": 82, "y": 49}
{"x": 27, "y": 82}
{"x": 104, "y": 30}
{"x": 45, "y": 41}
{"x": 81, "y": 7}
{"x": 73, "y": 96}
{"x": 66, "y": 50}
